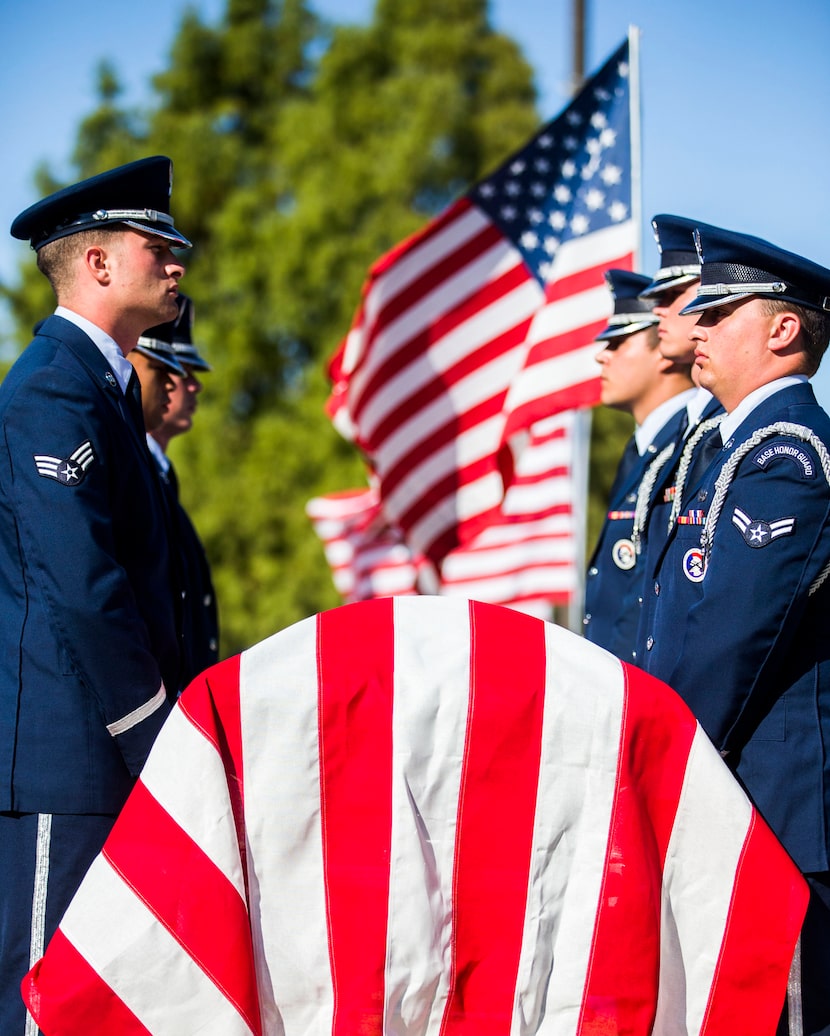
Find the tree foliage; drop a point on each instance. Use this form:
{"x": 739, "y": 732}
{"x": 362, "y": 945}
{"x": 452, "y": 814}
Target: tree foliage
{"x": 302, "y": 152}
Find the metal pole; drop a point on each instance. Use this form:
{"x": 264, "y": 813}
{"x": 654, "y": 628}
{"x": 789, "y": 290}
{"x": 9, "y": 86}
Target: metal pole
{"x": 581, "y": 428}
{"x": 578, "y": 77}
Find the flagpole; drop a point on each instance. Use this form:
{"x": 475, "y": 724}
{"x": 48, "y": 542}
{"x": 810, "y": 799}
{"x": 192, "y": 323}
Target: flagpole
{"x": 581, "y": 428}
{"x": 578, "y": 75}
{"x": 636, "y": 141}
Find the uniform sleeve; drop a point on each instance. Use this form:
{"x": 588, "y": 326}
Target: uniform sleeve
{"x": 63, "y": 451}
{"x": 771, "y": 541}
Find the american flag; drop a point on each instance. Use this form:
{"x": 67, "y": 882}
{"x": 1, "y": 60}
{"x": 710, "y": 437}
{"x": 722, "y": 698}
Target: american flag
{"x": 368, "y": 558}
{"x": 377, "y": 822}
{"x": 471, "y": 330}
{"x": 528, "y": 558}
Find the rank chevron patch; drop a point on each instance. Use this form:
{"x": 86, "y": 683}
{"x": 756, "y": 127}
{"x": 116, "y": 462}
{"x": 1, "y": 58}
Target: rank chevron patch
{"x": 69, "y": 471}
{"x": 758, "y": 533}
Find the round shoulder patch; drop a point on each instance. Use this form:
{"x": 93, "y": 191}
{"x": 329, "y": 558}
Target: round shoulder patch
{"x": 694, "y": 565}
{"x": 624, "y": 555}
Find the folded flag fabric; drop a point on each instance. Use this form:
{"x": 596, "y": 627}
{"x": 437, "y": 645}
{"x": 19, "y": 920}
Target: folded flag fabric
{"x": 422, "y": 815}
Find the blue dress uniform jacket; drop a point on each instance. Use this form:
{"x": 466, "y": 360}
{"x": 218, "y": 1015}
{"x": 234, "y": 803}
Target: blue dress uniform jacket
{"x": 615, "y": 574}
{"x": 89, "y": 627}
{"x": 200, "y": 621}
{"x": 650, "y": 539}
{"x": 741, "y": 633}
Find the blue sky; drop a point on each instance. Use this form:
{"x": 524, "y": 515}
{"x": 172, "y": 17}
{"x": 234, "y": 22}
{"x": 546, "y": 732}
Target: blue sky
{"x": 734, "y": 98}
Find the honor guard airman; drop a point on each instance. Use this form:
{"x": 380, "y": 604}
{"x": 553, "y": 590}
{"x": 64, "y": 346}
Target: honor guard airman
{"x": 173, "y": 343}
{"x": 674, "y": 285}
{"x": 736, "y": 605}
{"x": 638, "y": 380}
{"x": 90, "y": 662}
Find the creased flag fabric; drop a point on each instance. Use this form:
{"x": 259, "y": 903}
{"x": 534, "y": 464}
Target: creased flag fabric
{"x": 376, "y": 822}
{"x": 502, "y": 291}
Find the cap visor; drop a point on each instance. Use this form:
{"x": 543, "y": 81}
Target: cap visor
{"x": 658, "y": 287}
{"x": 623, "y": 330}
{"x": 168, "y": 233}
{"x": 163, "y": 358}
{"x": 698, "y": 305}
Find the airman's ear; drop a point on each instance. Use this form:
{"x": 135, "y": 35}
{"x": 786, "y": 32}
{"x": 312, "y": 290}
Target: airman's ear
{"x": 97, "y": 264}
{"x": 785, "y": 328}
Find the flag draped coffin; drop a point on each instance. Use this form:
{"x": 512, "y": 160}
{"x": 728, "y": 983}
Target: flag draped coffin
{"x": 502, "y": 291}
{"x": 376, "y": 822}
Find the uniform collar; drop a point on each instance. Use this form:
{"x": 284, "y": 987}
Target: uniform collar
{"x": 158, "y": 453}
{"x": 731, "y": 422}
{"x": 647, "y": 432}
{"x": 121, "y": 366}
{"x": 696, "y": 405}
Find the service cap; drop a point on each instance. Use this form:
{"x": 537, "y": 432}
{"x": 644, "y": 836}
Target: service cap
{"x": 631, "y": 312}
{"x": 737, "y": 266}
{"x": 171, "y": 342}
{"x": 136, "y": 195}
{"x": 679, "y": 262}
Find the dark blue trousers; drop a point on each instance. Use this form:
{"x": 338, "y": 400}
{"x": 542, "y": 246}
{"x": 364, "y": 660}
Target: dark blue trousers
{"x": 815, "y": 961}
{"x": 43, "y": 858}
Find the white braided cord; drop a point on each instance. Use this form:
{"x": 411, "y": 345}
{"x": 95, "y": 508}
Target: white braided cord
{"x": 685, "y": 463}
{"x": 644, "y": 492}
{"x": 727, "y": 473}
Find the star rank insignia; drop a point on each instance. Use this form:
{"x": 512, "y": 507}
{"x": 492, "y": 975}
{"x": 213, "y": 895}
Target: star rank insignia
{"x": 70, "y": 471}
{"x": 758, "y": 533}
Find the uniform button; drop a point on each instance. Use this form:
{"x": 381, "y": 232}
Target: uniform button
{"x": 639, "y": 600}
{"x": 593, "y": 570}
{"x": 649, "y": 643}
{"x": 212, "y": 644}
{"x": 206, "y": 600}
{"x": 586, "y": 619}
{"x": 656, "y": 589}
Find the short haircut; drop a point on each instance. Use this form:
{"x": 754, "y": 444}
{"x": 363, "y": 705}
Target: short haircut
{"x": 56, "y": 260}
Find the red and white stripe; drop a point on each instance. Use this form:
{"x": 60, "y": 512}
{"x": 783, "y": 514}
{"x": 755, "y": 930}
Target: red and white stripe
{"x": 367, "y": 557}
{"x": 378, "y": 822}
{"x": 560, "y": 371}
{"x": 528, "y": 558}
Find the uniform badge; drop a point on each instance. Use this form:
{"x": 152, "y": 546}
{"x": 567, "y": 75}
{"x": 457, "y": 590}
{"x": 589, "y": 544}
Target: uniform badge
{"x": 758, "y": 533}
{"x": 694, "y": 565}
{"x": 624, "y": 555}
{"x": 69, "y": 471}
{"x": 790, "y": 451}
